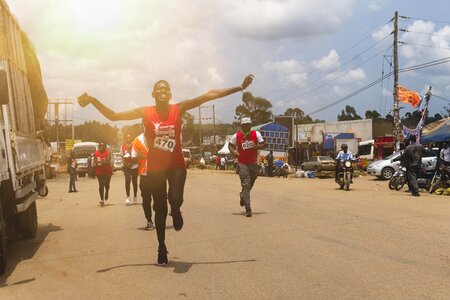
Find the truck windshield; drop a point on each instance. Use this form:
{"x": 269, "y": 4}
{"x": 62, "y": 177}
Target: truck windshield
{"x": 83, "y": 152}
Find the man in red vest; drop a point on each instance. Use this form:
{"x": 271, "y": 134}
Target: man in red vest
{"x": 245, "y": 145}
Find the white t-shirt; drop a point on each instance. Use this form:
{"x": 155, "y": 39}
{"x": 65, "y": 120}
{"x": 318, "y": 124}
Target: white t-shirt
{"x": 259, "y": 138}
{"x": 127, "y": 154}
{"x": 445, "y": 154}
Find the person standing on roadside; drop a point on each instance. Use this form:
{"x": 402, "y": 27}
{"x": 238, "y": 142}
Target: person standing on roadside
{"x": 130, "y": 169}
{"x": 245, "y": 145}
{"x": 412, "y": 160}
{"x": 139, "y": 153}
{"x": 72, "y": 170}
{"x": 444, "y": 155}
{"x": 103, "y": 171}
{"x": 269, "y": 159}
{"x": 165, "y": 163}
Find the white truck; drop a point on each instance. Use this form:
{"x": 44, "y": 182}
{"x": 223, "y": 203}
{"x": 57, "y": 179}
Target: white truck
{"x": 22, "y": 150}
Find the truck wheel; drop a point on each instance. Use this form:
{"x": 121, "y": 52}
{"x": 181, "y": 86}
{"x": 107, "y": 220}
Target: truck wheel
{"x": 2, "y": 244}
{"x": 28, "y": 222}
{"x": 45, "y": 193}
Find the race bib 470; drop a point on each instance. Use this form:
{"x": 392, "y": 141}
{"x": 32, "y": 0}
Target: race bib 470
{"x": 164, "y": 144}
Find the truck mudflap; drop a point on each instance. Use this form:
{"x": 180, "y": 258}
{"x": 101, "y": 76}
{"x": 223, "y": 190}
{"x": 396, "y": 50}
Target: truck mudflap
{"x": 26, "y": 202}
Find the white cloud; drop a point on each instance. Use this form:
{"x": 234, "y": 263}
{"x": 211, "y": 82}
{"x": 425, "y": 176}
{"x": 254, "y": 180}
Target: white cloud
{"x": 289, "y": 72}
{"x": 355, "y": 76}
{"x": 274, "y": 19}
{"x": 329, "y": 62}
{"x": 376, "y": 5}
{"x": 383, "y": 32}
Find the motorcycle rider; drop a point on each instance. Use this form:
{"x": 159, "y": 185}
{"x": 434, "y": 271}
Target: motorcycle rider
{"x": 342, "y": 156}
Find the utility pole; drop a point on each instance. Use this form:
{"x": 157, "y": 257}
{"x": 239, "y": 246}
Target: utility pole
{"x": 214, "y": 128}
{"x": 56, "y": 103}
{"x": 296, "y": 142}
{"x": 200, "y": 129}
{"x": 396, "y": 110}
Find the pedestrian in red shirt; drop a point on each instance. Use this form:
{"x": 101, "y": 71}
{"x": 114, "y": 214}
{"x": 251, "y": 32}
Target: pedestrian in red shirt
{"x": 165, "y": 163}
{"x": 103, "y": 171}
{"x": 245, "y": 145}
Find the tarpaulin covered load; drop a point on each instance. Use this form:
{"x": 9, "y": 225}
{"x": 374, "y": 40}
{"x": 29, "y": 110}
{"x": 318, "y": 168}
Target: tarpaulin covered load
{"x": 34, "y": 78}
{"x": 438, "y": 131}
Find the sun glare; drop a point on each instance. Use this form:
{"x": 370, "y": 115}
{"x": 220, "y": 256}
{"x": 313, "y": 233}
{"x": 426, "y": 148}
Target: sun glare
{"x": 96, "y": 14}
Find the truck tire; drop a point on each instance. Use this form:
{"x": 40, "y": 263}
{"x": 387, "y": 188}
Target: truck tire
{"x": 28, "y": 222}
{"x": 3, "y": 240}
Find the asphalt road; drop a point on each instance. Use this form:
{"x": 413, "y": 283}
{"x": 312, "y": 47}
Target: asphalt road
{"x": 306, "y": 240}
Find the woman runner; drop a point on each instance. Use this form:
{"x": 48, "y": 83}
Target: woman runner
{"x": 103, "y": 171}
{"x": 165, "y": 158}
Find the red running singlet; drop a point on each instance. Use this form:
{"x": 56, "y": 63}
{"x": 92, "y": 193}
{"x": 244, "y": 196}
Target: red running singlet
{"x": 164, "y": 139}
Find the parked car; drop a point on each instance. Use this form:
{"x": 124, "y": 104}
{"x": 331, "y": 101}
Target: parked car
{"x": 385, "y": 168}
{"x": 318, "y": 164}
{"x": 118, "y": 163}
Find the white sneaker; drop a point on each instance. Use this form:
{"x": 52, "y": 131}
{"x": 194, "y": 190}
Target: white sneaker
{"x": 135, "y": 200}
{"x": 127, "y": 201}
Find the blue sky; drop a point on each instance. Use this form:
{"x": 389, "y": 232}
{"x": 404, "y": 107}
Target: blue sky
{"x": 116, "y": 49}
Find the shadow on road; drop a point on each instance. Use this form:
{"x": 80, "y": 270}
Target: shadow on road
{"x": 253, "y": 213}
{"x": 178, "y": 266}
{"x": 145, "y": 228}
{"x": 19, "y": 250}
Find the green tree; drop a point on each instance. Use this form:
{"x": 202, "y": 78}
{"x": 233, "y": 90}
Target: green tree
{"x": 300, "y": 117}
{"x": 349, "y": 113}
{"x": 411, "y": 120}
{"x": 257, "y": 108}
{"x": 372, "y": 114}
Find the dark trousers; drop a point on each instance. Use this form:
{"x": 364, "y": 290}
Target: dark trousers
{"x": 411, "y": 177}
{"x": 131, "y": 175}
{"x": 73, "y": 178}
{"x": 248, "y": 175}
{"x": 157, "y": 183}
{"x": 146, "y": 193}
{"x": 270, "y": 169}
{"x": 103, "y": 185}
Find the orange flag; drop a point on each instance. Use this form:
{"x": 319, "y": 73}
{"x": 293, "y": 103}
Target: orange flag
{"x": 408, "y": 96}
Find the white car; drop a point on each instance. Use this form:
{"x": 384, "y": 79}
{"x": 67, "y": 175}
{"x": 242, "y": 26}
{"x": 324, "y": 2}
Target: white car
{"x": 385, "y": 168}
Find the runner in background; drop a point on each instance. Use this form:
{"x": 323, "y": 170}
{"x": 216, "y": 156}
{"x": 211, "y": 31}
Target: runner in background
{"x": 103, "y": 171}
{"x": 139, "y": 154}
{"x": 165, "y": 158}
{"x": 245, "y": 145}
{"x": 130, "y": 169}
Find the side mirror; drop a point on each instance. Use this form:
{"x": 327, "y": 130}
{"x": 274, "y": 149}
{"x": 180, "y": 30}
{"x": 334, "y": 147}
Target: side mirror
{"x": 4, "y": 95}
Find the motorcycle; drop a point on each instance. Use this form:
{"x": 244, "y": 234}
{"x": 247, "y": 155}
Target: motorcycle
{"x": 441, "y": 177}
{"x": 398, "y": 180}
{"x": 345, "y": 174}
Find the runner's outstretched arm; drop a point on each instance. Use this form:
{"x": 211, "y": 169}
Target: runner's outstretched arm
{"x": 214, "y": 94}
{"x": 111, "y": 115}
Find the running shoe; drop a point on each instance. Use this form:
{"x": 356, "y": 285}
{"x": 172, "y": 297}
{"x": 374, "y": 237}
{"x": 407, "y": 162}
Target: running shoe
{"x": 150, "y": 225}
{"x": 127, "y": 200}
{"x": 177, "y": 219}
{"x": 242, "y": 200}
{"x": 102, "y": 202}
{"x": 162, "y": 256}
{"x": 248, "y": 212}
{"x": 135, "y": 200}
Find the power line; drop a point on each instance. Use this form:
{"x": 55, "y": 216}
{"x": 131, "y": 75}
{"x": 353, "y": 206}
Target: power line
{"x": 417, "y": 19}
{"x": 426, "y": 33}
{"x": 334, "y": 79}
{"x": 422, "y": 45}
{"x": 436, "y": 96}
{"x": 330, "y": 61}
{"x": 412, "y": 68}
